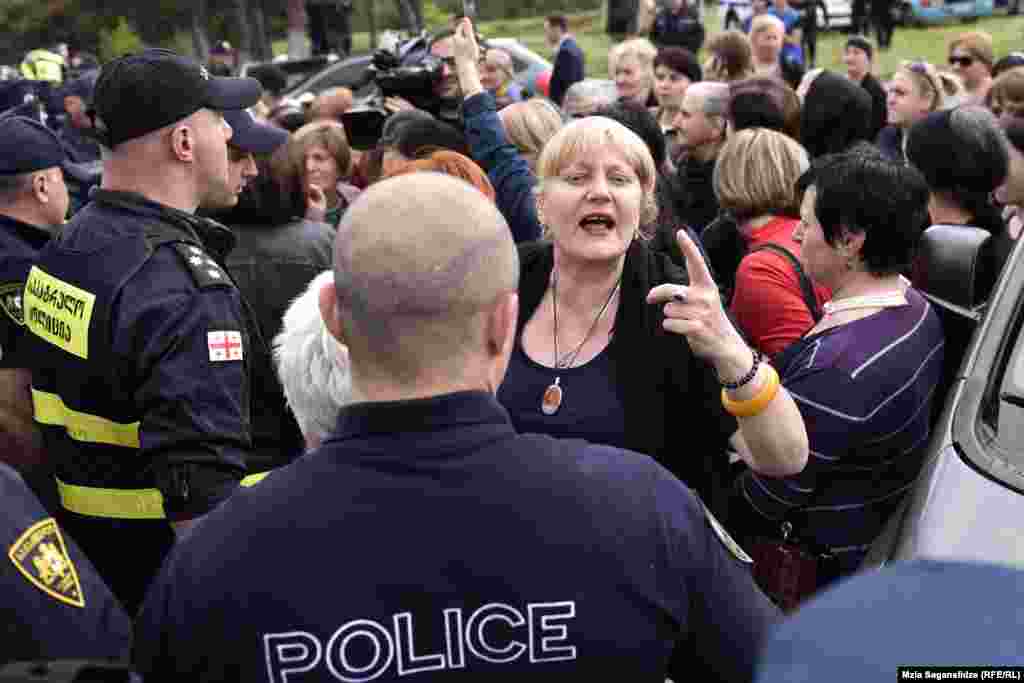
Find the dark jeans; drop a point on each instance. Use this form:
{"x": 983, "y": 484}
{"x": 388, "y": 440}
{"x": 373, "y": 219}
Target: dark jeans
{"x": 881, "y": 15}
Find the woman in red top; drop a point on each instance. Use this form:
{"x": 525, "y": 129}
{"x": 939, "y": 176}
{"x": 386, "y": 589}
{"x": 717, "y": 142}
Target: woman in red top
{"x": 755, "y": 180}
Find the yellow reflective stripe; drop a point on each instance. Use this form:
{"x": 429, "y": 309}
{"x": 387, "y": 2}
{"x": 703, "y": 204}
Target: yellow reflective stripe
{"x": 123, "y": 503}
{"x": 116, "y": 503}
{"x": 50, "y": 410}
{"x": 254, "y": 479}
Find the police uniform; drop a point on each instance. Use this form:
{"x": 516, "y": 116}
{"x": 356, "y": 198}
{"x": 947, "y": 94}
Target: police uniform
{"x": 140, "y": 351}
{"x": 26, "y": 146}
{"x": 427, "y": 536}
{"x": 53, "y": 604}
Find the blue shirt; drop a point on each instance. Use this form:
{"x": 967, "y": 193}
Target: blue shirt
{"x": 591, "y": 408}
{"x": 427, "y": 536}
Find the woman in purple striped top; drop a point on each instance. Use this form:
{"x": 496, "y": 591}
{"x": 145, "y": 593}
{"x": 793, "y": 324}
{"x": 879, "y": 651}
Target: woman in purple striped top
{"x": 864, "y": 376}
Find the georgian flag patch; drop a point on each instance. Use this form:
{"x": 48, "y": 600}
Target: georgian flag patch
{"x": 224, "y": 345}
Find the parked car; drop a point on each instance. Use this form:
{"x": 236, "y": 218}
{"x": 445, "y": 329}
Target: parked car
{"x": 350, "y": 72}
{"x": 921, "y": 12}
{"x": 735, "y": 12}
{"x": 968, "y": 501}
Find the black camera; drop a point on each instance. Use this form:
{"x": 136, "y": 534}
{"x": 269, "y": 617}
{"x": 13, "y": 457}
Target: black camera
{"x": 415, "y": 82}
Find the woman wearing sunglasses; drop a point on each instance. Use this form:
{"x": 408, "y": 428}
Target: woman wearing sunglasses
{"x": 971, "y": 58}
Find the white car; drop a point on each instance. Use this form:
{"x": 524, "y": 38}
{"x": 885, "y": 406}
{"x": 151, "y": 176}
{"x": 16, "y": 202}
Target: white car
{"x": 734, "y": 14}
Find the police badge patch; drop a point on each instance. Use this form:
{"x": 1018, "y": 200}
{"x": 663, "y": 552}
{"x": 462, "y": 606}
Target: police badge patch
{"x": 10, "y": 301}
{"x": 41, "y": 556}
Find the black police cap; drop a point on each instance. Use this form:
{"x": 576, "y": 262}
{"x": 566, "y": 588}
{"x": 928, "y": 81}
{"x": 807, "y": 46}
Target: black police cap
{"x": 26, "y": 145}
{"x": 143, "y": 92}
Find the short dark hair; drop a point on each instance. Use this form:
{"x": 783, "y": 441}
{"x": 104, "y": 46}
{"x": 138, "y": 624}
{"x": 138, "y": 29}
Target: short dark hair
{"x": 273, "y": 79}
{"x": 638, "y": 119}
{"x": 962, "y": 154}
{"x": 422, "y": 137}
{"x": 558, "y": 21}
{"x": 681, "y": 60}
{"x": 860, "y": 191}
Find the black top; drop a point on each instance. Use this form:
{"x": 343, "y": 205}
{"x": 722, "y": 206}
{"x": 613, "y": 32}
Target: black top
{"x": 272, "y": 265}
{"x": 671, "y": 399}
{"x": 19, "y": 246}
{"x": 591, "y": 409}
{"x": 879, "y": 108}
{"x": 54, "y": 604}
{"x": 493, "y": 555}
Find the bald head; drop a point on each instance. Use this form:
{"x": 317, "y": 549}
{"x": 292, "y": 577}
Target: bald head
{"x": 420, "y": 261}
{"x": 710, "y": 97}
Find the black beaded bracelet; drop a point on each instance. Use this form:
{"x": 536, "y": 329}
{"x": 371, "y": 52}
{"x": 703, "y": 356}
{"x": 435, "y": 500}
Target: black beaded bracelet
{"x": 745, "y": 379}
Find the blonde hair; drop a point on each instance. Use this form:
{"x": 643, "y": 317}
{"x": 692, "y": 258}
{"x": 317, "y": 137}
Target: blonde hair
{"x": 598, "y": 132}
{"x": 640, "y": 49}
{"x": 762, "y": 22}
{"x": 529, "y": 125}
{"x": 731, "y": 57}
{"x": 756, "y": 173}
{"x": 978, "y": 43}
{"x": 501, "y": 59}
{"x": 927, "y": 81}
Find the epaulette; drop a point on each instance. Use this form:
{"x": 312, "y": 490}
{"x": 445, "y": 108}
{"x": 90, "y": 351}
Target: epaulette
{"x": 205, "y": 271}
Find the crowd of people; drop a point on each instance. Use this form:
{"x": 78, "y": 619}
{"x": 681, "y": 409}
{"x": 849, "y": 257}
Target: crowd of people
{"x": 532, "y": 386}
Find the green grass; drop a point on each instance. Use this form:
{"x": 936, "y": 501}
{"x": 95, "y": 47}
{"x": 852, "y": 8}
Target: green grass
{"x": 927, "y": 43}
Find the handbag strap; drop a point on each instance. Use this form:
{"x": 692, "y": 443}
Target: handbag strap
{"x": 806, "y": 287}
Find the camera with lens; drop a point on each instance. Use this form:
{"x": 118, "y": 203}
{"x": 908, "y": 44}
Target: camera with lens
{"x": 413, "y": 78}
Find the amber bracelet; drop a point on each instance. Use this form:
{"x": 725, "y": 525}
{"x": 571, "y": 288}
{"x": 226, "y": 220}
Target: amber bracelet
{"x": 760, "y": 400}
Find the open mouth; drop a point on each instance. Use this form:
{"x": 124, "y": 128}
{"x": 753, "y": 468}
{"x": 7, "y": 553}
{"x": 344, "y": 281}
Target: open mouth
{"x": 597, "y": 223}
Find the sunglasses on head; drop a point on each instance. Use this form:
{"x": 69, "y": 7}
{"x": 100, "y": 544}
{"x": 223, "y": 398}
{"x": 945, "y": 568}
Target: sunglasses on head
{"x": 961, "y": 60}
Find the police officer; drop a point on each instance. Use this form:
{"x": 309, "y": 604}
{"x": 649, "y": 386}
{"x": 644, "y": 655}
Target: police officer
{"x": 55, "y": 606}
{"x": 77, "y": 98}
{"x": 33, "y": 199}
{"x": 425, "y": 535}
{"x": 140, "y": 339}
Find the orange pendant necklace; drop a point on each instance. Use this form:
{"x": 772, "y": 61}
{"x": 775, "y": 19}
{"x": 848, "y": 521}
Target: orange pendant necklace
{"x": 553, "y": 395}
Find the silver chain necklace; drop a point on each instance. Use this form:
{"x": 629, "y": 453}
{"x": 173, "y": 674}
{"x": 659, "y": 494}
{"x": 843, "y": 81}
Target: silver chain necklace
{"x": 553, "y": 395}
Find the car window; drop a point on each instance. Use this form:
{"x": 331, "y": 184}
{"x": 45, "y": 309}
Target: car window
{"x": 1005, "y": 414}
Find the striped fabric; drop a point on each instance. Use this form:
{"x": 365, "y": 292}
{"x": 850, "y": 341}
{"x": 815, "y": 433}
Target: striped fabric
{"x": 864, "y": 390}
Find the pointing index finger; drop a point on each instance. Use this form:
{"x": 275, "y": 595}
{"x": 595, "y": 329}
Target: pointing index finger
{"x": 696, "y": 268}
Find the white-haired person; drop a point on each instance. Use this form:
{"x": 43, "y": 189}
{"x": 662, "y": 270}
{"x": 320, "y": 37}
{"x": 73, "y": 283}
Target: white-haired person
{"x": 631, "y": 64}
{"x": 767, "y": 38}
{"x": 498, "y": 77}
{"x": 312, "y": 365}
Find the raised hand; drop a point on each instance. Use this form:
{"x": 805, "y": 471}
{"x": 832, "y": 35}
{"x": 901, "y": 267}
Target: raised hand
{"x": 316, "y": 203}
{"x": 464, "y": 45}
{"x": 696, "y": 312}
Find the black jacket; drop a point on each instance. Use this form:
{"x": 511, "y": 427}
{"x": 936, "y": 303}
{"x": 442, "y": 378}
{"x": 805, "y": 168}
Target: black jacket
{"x": 879, "y": 107}
{"x": 671, "y": 397}
{"x": 679, "y": 30}
{"x": 836, "y": 114}
{"x": 569, "y": 68}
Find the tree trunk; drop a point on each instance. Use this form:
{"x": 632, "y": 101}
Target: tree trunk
{"x": 244, "y": 51}
{"x": 297, "y": 45}
{"x": 411, "y": 13}
{"x": 200, "y": 39}
{"x": 371, "y": 17}
{"x": 261, "y": 48}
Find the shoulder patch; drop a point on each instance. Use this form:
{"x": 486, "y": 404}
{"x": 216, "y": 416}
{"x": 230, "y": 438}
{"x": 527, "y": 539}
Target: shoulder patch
{"x": 731, "y": 545}
{"x": 205, "y": 271}
{"x": 41, "y": 556}
{"x": 10, "y": 301}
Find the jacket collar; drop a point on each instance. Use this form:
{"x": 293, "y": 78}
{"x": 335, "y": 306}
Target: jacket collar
{"x": 216, "y": 238}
